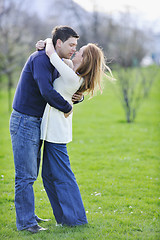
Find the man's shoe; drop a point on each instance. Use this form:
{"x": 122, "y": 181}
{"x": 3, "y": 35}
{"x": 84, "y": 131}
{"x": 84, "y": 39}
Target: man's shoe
{"x": 41, "y": 220}
{"x": 36, "y": 229}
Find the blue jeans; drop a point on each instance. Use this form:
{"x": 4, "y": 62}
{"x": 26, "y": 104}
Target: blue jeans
{"x": 61, "y": 186}
{"x": 26, "y": 145}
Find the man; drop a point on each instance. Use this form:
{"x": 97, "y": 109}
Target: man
{"x": 34, "y": 90}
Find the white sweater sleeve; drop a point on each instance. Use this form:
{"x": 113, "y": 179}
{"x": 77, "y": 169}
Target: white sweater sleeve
{"x": 68, "y": 75}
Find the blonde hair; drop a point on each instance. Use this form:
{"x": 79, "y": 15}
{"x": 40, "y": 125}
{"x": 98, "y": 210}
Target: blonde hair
{"x": 92, "y": 69}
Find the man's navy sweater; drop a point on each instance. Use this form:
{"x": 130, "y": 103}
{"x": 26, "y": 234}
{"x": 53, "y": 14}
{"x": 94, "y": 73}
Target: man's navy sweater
{"x": 35, "y": 87}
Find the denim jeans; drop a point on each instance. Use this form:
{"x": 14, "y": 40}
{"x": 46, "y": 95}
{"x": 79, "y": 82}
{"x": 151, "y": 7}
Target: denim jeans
{"x": 26, "y": 145}
{"x": 61, "y": 186}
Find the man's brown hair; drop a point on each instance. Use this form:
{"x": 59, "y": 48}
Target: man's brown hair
{"x": 63, "y": 33}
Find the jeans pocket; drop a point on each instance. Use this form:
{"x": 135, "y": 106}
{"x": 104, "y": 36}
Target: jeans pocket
{"x": 14, "y": 124}
{"x": 31, "y": 130}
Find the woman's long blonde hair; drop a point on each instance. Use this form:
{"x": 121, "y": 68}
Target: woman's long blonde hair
{"x": 92, "y": 69}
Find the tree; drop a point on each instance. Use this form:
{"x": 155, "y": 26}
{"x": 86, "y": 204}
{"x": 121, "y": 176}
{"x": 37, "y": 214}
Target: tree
{"x": 134, "y": 86}
{"x": 120, "y": 37}
{"x": 71, "y": 14}
{"x": 128, "y": 41}
{"x": 17, "y": 31}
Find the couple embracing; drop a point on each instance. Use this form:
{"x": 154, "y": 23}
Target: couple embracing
{"x": 49, "y": 85}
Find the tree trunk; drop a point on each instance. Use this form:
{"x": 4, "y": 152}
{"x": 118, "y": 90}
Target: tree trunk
{"x": 9, "y": 91}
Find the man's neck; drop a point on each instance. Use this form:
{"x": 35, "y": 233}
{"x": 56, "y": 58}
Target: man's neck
{"x": 57, "y": 51}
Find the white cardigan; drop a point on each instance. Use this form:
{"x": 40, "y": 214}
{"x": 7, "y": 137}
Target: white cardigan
{"x": 55, "y": 127}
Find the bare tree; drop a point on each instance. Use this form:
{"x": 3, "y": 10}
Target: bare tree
{"x": 134, "y": 86}
{"x": 17, "y": 31}
{"x": 119, "y": 37}
{"x": 129, "y": 41}
{"x": 70, "y": 13}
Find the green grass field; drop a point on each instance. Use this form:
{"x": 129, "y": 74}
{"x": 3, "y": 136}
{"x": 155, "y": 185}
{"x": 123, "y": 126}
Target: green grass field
{"x": 116, "y": 165}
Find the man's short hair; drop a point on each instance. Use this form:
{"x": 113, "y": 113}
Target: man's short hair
{"x": 63, "y": 33}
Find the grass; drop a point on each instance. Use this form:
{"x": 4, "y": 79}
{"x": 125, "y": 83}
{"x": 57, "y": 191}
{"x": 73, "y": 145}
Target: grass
{"x": 116, "y": 166}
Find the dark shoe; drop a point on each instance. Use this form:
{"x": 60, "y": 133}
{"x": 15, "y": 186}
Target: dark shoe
{"x": 36, "y": 229}
{"x": 41, "y": 220}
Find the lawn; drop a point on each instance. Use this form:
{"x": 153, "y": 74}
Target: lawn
{"x": 116, "y": 165}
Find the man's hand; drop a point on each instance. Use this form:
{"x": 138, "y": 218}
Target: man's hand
{"x": 77, "y": 97}
{"x": 67, "y": 114}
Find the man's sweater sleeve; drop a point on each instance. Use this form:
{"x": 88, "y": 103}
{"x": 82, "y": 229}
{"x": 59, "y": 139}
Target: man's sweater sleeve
{"x": 43, "y": 76}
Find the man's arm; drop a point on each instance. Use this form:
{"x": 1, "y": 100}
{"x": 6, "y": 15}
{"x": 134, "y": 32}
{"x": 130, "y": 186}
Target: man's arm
{"x": 43, "y": 74}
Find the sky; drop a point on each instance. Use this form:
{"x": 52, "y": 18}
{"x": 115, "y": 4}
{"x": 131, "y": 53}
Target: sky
{"x": 148, "y": 10}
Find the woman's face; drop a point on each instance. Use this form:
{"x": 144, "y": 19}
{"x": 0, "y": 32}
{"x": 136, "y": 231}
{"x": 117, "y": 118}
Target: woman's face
{"x": 78, "y": 57}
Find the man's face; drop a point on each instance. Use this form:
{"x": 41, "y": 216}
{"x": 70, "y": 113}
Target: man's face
{"x": 66, "y": 49}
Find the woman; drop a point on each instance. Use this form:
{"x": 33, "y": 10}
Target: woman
{"x": 82, "y": 74}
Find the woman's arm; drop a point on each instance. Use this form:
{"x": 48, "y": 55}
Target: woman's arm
{"x": 68, "y": 62}
{"x": 49, "y": 47}
{"x": 77, "y": 97}
{"x": 67, "y": 73}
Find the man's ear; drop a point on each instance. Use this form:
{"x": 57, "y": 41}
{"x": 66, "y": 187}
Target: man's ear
{"x": 59, "y": 43}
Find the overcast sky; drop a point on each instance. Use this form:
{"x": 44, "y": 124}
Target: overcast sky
{"x": 147, "y": 11}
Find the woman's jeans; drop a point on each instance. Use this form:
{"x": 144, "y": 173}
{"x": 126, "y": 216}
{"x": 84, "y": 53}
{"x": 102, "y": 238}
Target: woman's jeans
{"x": 26, "y": 144}
{"x": 61, "y": 186}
